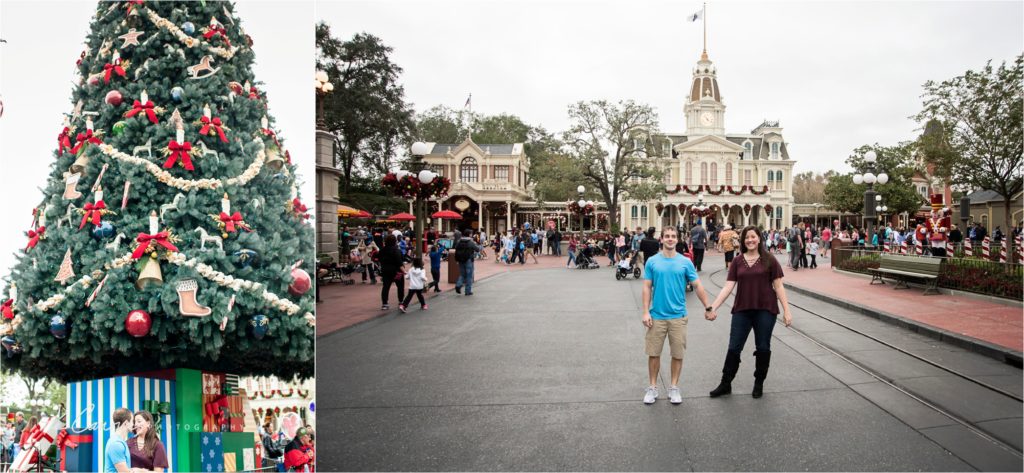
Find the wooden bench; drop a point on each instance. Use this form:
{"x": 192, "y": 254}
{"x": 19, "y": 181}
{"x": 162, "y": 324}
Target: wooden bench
{"x": 902, "y": 268}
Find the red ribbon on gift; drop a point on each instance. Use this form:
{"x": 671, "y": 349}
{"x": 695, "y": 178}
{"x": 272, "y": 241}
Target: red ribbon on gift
{"x": 146, "y": 239}
{"x": 216, "y": 409}
{"x": 8, "y": 309}
{"x": 84, "y": 138}
{"x": 179, "y": 150}
{"x": 215, "y": 30}
{"x": 142, "y": 107}
{"x": 94, "y": 210}
{"x": 216, "y": 124}
{"x": 230, "y": 221}
{"x": 108, "y": 68}
{"x": 34, "y": 236}
{"x": 65, "y": 441}
{"x": 63, "y": 141}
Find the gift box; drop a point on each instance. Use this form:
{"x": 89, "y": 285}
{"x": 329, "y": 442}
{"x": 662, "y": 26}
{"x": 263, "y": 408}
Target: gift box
{"x": 39, "y": 440}
{"x": 90, "y": 405}
{"x": 216, "y": 413}
{"x": 208, "y": 451}
{"x": 229, "y": 462}
{"x": 76, "y": 451}
{"x": 237, "y": 443}
{"x": 236, "y": 413}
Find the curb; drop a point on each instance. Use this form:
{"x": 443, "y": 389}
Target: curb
{"x": 1003, "y": 354}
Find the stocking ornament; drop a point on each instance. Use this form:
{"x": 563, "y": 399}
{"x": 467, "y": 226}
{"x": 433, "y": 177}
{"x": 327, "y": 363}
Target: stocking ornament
{"x": 187, "y": 303}
{"x": 70, "y": 185}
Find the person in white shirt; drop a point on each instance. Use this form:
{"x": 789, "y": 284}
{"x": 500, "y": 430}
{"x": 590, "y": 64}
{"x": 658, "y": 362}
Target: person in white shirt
{"x": 417, "y": 280}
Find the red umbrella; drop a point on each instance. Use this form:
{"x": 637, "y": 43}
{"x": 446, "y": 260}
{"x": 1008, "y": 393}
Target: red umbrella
{"x": 402, "y": 217}
{"x": 363, "y": 214}
{"x": 446, "y": 214}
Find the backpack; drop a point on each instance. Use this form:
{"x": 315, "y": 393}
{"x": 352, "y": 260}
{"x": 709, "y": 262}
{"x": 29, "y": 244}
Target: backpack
{"x": 463, "y": 251}
{"x": 793, "y": 238}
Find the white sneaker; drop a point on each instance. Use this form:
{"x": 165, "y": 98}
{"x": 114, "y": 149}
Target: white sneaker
{"x": 651, "y": 395}
{"x": 673, "y": 395}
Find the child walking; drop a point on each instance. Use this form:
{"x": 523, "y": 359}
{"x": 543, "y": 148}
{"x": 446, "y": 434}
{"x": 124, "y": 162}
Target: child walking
{"x": 436, "y": 252}
{"x": 813, "y": 251}
{"x": 417, "y": 278}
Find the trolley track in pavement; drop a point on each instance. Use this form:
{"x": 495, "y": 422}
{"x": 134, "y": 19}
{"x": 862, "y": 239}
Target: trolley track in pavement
{"x": 881, "y": 378}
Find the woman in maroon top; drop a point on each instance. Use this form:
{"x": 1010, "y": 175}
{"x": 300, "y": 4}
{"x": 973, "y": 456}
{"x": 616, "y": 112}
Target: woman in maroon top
{"x": 759, "y": 277}
{"x": 147, "y": 451}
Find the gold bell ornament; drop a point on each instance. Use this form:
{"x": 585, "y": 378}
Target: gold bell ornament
{"x": 149, "y": 272}
{"x": 80, "y": 163}
{"x": 274, "y": 159}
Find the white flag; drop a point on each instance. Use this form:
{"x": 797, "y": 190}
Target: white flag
{"x": 468, "y": 101}
{"x": 698, "y": 15}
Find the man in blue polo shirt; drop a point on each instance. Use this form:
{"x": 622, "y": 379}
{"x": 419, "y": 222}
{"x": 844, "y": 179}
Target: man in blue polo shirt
{"x": 118, "y": 460}
{"x": 666, "y": 275}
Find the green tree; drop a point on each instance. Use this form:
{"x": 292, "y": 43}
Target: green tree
{"x": 809, "y": 187}
{"x": 973, "y": 131}
{"x": 897, "y": 161}
{"x": 147, "y": 149}
{"x": 366, "y": 111}
{"x": 609, "y": 144}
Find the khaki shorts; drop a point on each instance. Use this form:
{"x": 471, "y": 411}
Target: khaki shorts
{"x": 674, "y": 329}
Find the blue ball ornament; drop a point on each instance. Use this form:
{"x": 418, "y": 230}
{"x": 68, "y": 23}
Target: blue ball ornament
{"x": 10, "y": 345}
{"x": 104, "y": 230}
{"x": 260, "y": 324}
{"x": 188, "y": 28}
{"x": 59, "y": 326}
{"x": 247, "y": 257}
{"x": 177, "y": 94}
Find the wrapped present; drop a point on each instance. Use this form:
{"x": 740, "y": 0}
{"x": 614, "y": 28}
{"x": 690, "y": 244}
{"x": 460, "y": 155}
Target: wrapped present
{"x": 249, "y": 459}
{"x": 229, "y": 462}
{"x": 208, "y": 451}
{"x": 237, "y": 443}
{"x": 213, "y": 383}
{"x": 215, "y": 413}
{"x": 76, "y": 450}
{"x": 236, "y": 413}
{"x": 90, "y": 405}
{"x": 39, "y": 440}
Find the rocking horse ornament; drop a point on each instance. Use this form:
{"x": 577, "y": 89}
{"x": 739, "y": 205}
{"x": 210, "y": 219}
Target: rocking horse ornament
{"x": 204, "y": 65}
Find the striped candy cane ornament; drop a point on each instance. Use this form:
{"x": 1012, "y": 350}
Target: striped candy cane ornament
{"x": 985, "y": 247}
{"x": 885, "y": 247}
{"x": 949, "y": 248}
{"x": 1019, "y": 240}
{"x": 1002, "y": 250}
{"x": 919, "y": 248}
{"x": 968, "y": 248}
{"x": 903, "y": 248}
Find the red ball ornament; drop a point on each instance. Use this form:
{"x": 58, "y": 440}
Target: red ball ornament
{"x": 138, "y": 323}
{"x": 113, "y": 98}
{"x": 302, "y": 282}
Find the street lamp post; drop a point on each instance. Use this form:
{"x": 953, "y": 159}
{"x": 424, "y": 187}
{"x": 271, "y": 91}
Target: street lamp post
{"x": 323, "y": 87}
{"x": 870, "y": 178}
{"x": 582, "y": 203}
{"x": 700, "y": 206}
{"x": 882, "y": 209}
{"x": 418, "y": 150}
{"x": 816, "y": 207}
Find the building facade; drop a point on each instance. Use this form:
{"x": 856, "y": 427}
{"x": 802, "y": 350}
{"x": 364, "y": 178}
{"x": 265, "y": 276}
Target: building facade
{"x": 740, "y": 178}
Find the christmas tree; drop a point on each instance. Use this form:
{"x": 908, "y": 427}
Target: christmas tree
{"x": 171, "y": 212}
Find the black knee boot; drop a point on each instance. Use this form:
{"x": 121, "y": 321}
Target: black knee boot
{"x": 763, "y": 360}
{"x": 732, "y": 365}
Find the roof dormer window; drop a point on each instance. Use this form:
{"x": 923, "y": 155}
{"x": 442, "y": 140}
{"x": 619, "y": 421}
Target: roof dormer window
{"x": 748, "y": 150}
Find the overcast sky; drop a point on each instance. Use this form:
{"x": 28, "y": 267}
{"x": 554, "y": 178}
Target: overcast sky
{"x": 835, "y": 74}
{"x": 37, "y": 69}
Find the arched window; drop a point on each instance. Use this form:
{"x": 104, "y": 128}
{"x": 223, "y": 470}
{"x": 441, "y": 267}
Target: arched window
{"x": 689, "y": 173}
{"x": 643, "y": 212}
{"x": 728, "y": 174}
{"x": 714, "y": 174}
{"x": 748, "y": 150}
{"x": 633, "y": 212}
{"x": 703, "y": 173}
{"x": 468, "y": 170}
{"x": 778, "y": 180}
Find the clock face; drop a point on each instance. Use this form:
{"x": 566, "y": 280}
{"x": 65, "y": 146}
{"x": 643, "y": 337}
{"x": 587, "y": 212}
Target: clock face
{"x": 707, "y": 119}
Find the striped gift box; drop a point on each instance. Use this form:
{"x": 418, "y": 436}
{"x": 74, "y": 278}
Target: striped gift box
{"x": 91, "y": 404}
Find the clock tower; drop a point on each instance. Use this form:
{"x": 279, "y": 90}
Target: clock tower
{"x": 705, "y": 112}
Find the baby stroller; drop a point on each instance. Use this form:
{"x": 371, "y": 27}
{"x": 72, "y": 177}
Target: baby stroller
{"x": 633, "y": 268}
{"x": 585, "y": 258}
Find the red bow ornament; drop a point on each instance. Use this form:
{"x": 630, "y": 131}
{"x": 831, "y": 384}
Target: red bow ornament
{"x": 108, "y": 68}
{"x": 216, "y": 124}
{"x": 64, "y": 442}
{"x": 132, "y": 4}
{"x": 179, "y": 150}
{"x": 8, "y": 309}
{"x": 93, "y": 210}
{"x": 217, "y": 408}
{"x": 138, "y": 107}
{"x": 271, "y": 134}
{"x": 299, "y": 209}
{"x": 34, "y": 236}
{"x": 64, "y": 141}
{"x": 229, "y": 221}
{"x": 215, "y": 30}
{"x": 146, "y": 240}
{"x": 83, "y": 139}
{"x": 253, "y": 93}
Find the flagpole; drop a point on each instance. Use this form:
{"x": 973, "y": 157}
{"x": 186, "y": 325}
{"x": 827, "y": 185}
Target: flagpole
{"x": 704, "y": 19}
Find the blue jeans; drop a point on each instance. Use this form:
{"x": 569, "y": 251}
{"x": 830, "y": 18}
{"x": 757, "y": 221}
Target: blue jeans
{"x": 466, "y": 276}
{"x": 762, "y": 321}
{"x": 572, "y": 258}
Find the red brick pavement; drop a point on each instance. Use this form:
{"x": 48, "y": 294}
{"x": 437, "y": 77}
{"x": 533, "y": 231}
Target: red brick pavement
{"x": 345, "y": 306}
{"x": 992, "y": 322}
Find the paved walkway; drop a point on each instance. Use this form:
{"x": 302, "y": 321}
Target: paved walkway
{"x": 1001, "y": 324}
{"x": 345, "y": 306}
{"x": 544, "y": 370}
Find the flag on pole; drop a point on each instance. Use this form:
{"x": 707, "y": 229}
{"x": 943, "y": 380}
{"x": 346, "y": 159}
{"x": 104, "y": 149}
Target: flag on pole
{"x": 469, "y": 101}
{"x": 698, "y": 15}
